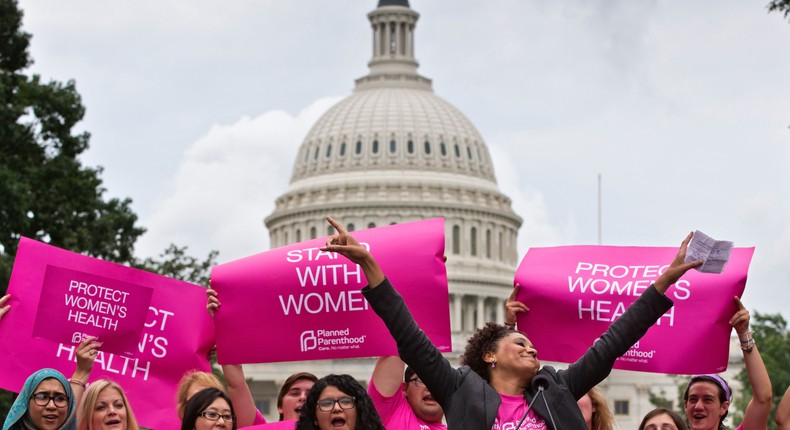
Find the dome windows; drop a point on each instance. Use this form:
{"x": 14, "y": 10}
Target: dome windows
{"x": 469, "y": 152}
{"x": 393, "y": 146}
{"x": 443, "y": 149}
{"x": 317, "y": 149}
{"x": 457, "y": 151}
{"x": 342, "y": 151}
{"x": 410, "y": 146}
{"x": 328, "y": 150}
{"x": 473, "y": 241}
{"x": 456, "y": 245}
{"x": 358, "y": 149}
{"x": 427, "y": 147}
{"x": 375, "y": 148}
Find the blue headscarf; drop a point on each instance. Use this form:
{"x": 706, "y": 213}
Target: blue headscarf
{"x": 15, "y": 419}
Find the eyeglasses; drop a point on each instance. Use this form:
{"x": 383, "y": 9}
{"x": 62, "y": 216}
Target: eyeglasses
{"x": 213, "y": 416}
{"x": 42, "y": 399}
{"x": 417, "y": 382}
{"x": 345, "y": 403}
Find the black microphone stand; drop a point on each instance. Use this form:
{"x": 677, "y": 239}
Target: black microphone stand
{"x": 529, "y": 407}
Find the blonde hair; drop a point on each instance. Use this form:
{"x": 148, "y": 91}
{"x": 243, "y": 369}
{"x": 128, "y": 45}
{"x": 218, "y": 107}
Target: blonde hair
{"x": 192, "y": 377}
{"x": 602, "y": 418}
{"x": 88, "y": 404}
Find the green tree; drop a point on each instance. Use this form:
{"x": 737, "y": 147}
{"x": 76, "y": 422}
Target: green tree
{"x": 174, "y": 262}
{"x": 782, "y": 6}
{"x": 45, "y": 191}
{"x": 773, "y": 341}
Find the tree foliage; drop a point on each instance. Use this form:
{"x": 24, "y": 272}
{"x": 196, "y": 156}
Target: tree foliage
{"x": 45, "y": 191}
{"x": 781, "y": 6}
{"x": 773, "y": 341}
{"x": 175, "y": 263}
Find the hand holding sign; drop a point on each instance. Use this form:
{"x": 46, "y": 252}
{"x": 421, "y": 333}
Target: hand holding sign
{"x": 514, "y": 307}
{"x": 212, "y": 302}
{"x": 86, "y": 354}
{"x": 740, "y": 321}
{"x": 3, "y": 307}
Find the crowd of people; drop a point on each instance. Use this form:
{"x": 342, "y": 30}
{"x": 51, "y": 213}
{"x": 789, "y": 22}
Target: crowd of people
{"x": 500, "y": 385}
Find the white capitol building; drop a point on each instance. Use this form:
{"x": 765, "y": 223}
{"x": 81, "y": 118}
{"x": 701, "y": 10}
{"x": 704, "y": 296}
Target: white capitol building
{"x": 392, "y": 152}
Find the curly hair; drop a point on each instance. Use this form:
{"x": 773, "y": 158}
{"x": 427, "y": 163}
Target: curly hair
{"x": 198, "y": 403}
{"x": 676, "y": 418}
{"x": 483, "y": 341}
{"x": 367, "y": 416}
{"x": 91, "y": 396}
{"x": 725, "y": 392}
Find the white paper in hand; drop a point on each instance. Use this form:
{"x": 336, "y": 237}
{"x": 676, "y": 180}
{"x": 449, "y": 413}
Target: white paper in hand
{"x": 714, "y": 253}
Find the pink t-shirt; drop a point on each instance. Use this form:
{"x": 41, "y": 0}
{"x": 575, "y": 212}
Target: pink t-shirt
{"x": 396, "y": 413}
{"x": 259, "y": 419}
{"x": 510, "y": 412}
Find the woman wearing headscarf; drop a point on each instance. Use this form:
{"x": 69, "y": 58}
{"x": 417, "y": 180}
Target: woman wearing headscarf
{"x": 46, "y": 402}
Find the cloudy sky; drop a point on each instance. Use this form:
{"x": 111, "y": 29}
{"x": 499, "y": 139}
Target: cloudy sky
{"x": 197, "y": 109}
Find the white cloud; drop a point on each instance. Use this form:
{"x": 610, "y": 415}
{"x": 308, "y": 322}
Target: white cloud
{"x": 226, "y": 184}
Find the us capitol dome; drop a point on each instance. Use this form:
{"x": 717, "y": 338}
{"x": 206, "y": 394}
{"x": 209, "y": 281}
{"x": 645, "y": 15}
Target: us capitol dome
{"x": 393, "y": 151}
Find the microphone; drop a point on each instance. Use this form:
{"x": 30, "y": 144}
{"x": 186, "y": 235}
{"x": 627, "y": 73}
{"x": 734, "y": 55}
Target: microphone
{"x": 542, "y": 382}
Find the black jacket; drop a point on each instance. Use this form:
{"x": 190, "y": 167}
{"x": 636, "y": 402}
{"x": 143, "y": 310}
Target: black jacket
{"x": 470, "y": 403}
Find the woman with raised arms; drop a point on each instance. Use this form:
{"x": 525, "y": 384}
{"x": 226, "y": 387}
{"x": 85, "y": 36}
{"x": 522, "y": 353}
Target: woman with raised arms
{"x": 500, "y": 372}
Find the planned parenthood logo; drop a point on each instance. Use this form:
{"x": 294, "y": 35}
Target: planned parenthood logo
{"x": 308, "y": 341}
{"x": 329, "y": 340}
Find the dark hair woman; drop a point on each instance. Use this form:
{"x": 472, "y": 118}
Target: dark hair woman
{"x": 209, "y": 409}
{"x": 338, "y": 402}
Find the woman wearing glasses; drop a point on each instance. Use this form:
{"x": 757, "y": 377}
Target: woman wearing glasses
{"x": 46, "y": 402}
{"x": 105, "y": 406}
{"x": 209, "y": 409}
{"x": 338, "y": 402}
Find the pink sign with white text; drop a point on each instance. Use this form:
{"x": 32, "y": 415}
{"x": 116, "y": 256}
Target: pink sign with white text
{"x": 176, "y": 334}
{"x": 75, "y": 305}
{"x": 299, "y": 303}
{"x": 575, "y": 292}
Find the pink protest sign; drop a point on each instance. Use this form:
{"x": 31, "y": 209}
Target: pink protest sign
{"x": 575, "y": 292}
{"x": 299, "y": 303}
{"x": 75, "y": 305}
{"x": 176, "y": 337}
